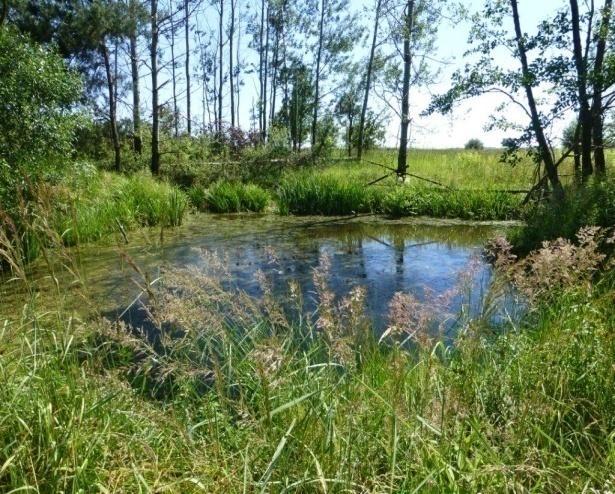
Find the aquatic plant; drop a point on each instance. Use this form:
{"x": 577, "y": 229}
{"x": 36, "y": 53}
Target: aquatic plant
{"x": 233, "y": 197}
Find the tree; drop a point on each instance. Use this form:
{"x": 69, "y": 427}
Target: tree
{"x": 137, "y": 17}
{"x": 348, "y": 110}
{"x": 368, "y": 77}
{"x": 33, "y": 142}
{"x": 338, "y": 31}
{"x": 518, "y": 84}
{"x": 402, "y": 157}
{"x": 601, "y": 81}
{"x": 412, "y": 29}
{"x": 187, "y": 66}
{"x": 585, "y": 117}
{"x": 296, "y": 110}
{"x": 475, "y": 144}
{"x": 231, "y": 37}
{"x": 84, "y": 33}
{"x": 153, "y": 51}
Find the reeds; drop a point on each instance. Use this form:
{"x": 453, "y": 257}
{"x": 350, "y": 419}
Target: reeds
{"x": 230, "y": 197}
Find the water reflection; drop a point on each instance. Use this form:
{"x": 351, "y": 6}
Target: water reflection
{"x": 423, "y": 258}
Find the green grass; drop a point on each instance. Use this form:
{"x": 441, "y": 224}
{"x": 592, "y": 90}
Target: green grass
{"x": 592, "y": 204}
{"x": 311, "y": 193}
{"x": 230, "y": 197}
{"x": 314, "y": 193}
{"x": 239, "y": 397}
{"x": 95, "y": 205}
{"x": 260, "y": 406}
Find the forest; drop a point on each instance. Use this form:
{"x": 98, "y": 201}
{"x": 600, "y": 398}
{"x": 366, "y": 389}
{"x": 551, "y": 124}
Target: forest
{"x": 307, "y": 246}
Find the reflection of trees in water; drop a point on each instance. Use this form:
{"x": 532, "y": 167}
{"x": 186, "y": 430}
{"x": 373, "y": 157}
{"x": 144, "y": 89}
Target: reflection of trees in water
{"x": 452, "y": 235}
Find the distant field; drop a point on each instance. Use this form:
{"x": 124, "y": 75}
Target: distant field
{"x": 456, "y": 168}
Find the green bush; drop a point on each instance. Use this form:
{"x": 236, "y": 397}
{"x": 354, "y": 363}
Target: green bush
{"x": 36, "y": 122}
{"x": 589, "y": 205}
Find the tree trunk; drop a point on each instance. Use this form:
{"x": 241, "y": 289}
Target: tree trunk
{"x": 576, "y": 150}
{"x": 317, "y": 75}
{"x": 597, "y": 109}
{"x": 261, "y": 65}
{"x": 368, "y": 81}
{"x": 274, "y": 76}
{"x": 266, "y": 75}
{"x": 238, "y": 69}
{"x": 402, "y": 157}
{"x": 174, "y": 81}
{"x": 155, "y": 159}
{"x": 4, "y": 11}
{"x": 584, "y": 111}
{"x": 545, "y": 151}
{"x": 115, "y": 138}
{"x": 231, "y": 35}
{"x": 350, "y": 132}
{"x": 187, "y": 62}
{"x": 137, "y": 143}
{"x": 221, "y": 68}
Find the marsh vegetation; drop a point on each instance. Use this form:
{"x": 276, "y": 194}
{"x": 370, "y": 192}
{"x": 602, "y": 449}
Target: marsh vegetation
{"x": 308, "y": 302}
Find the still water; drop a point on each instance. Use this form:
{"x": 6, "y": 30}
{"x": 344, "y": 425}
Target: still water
{"x": 423, "y": 257}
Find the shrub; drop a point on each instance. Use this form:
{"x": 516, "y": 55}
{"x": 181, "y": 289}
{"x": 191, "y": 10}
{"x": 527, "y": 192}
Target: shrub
{"x": 589, "y": 205}
{"x": 475, "y": 144}
{"x": 36, "y": 124}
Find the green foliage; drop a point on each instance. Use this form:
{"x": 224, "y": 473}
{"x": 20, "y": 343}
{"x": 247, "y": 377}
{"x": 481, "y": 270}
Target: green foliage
{"x": 231, "y": 197}
{"x": 36, "y": 122}
{"x": 592, "y": 204}
{"x": 475, "y": 144}
{"x": 308, "y": 193}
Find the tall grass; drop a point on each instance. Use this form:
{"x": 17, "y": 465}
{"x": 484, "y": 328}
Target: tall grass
{"x": 234, "y": 396}
{"x": 103, "y": 203}
{"x": 313, "y": 193}
{"x": 230, "y": 197}
{"x": 444, "y": 203}
{"x": 320, "y": 194}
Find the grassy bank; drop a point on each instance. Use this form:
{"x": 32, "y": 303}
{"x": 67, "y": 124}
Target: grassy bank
{"x": 593, "y": 204}
{"x": 91, "y": 205}
{"x": 313, "y": 193}
{"x": 238, "y": 396}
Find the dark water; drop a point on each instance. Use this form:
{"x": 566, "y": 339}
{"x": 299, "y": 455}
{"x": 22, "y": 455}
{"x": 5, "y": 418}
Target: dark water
{"x": 426, "y": 258}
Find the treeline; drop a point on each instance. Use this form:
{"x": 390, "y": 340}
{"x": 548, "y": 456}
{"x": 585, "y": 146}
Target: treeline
{"x": 301, "y": 53}
{"x": 320, "y": 71}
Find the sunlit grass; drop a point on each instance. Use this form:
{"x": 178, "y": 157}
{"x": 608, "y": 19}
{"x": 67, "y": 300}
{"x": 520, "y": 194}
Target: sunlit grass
{"x": 98, "y": 204}
{"x": 230, "y": 197}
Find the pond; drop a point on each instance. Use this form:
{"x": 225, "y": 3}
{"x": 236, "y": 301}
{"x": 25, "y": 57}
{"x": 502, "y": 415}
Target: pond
{"x": 424, "y": 257}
